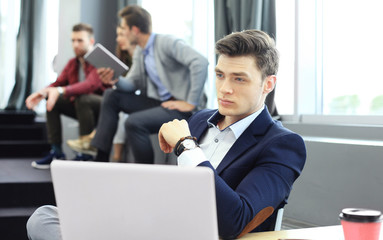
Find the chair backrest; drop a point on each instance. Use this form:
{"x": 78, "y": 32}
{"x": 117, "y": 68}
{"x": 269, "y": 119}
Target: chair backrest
{"x": 278, "y": 221}
{"x": 261, "y": 217}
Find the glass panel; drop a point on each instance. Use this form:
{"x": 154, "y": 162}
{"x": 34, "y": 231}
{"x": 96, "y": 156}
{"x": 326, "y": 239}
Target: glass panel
{"x": 9, "y": 25}
{"x": 352, "y": 57}
{"x": 178, "y": 23}
{"x": 285, "y": 37}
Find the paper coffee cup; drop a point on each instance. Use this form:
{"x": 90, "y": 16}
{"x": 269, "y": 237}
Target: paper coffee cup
{"x": 360, "y": 224}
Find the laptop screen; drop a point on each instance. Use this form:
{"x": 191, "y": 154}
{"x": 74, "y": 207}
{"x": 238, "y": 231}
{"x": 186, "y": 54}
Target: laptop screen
{"x": 134, "y": 201}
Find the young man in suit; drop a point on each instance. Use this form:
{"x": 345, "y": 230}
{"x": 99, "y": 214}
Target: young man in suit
{"x": 76, "y": 93}
{"x": 170, "y": 76}
{"x": 254, "y": 158}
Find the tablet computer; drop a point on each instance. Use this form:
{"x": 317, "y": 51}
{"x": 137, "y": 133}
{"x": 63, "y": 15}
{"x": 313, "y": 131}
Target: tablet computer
{"x": 100, "y": 57}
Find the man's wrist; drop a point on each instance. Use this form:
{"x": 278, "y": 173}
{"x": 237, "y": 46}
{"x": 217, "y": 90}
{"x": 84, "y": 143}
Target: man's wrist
{"x": 61, "y": 90}
{"x": 185, "y": 143}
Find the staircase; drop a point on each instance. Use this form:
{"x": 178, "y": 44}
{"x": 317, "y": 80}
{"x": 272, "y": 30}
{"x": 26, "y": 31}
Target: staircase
{"x": 22, "y": 188}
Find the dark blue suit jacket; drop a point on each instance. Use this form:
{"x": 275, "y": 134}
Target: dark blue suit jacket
{"x": 257, "y": 172}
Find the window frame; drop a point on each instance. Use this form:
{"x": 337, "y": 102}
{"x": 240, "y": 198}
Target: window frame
{"x": 308, "y": 78}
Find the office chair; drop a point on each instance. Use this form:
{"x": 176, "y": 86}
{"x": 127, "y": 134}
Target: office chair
{"x": 278, "y": 221}
{"x": 261, "y": 217}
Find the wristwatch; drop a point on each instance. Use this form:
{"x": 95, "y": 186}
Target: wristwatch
{"x": 60, "y": 90}
{"x": 185, "y": 143}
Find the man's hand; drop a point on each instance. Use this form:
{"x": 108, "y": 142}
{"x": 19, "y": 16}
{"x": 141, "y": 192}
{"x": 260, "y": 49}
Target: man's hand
{"x": 170, "y": 133}
{"x": 34, "y": 99}
{"x": 181, "y": 106}
{"x": 53, "y": 95}
{"x": 106, "y": 76}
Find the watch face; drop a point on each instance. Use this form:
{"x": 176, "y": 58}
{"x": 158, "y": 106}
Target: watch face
{"x": 189, "y": 144}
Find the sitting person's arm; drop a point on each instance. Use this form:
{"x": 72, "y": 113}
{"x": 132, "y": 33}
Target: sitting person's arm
{"x": 259, "y": 179}
{"x": 267, "y": 184}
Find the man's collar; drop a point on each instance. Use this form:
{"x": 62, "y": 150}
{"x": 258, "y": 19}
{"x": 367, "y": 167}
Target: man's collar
{"x": 214, "y": 119}
{"x": 238, "y": 127}
{"x": 150, "y": 43}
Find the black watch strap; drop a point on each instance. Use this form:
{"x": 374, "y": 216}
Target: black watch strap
{"x": 179, "y": 148}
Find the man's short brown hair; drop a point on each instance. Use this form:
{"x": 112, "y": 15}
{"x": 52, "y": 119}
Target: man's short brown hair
{"x": 83, "y": 27}
{"x": 255, "y": 43}
{"x": 137, "y": 16}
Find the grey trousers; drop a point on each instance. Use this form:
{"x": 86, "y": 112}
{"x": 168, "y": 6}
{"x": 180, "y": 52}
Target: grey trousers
{"x": 44, "y": 224}
{"x": 146, "y": 116}
{"x": 85, "y": 109}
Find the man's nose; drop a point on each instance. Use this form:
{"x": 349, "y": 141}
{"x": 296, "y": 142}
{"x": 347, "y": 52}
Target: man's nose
{"x": 226, "y": 87}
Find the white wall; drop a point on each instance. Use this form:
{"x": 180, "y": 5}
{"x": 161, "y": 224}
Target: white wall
{"x": 101, "y": 14}
{"x": 343, "y": 170}
{"x": 69, "y": 15}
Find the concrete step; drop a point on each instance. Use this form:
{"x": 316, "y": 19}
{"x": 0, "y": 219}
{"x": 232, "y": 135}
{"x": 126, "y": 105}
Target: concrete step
{"x": 23, "y": 189}
{"x": 17, "y": 116}
{"x": 13, "y": 222}
{"x": 23, "y": 186}
{"x": 34, "y": 131}
{"x": 24, "y": 148}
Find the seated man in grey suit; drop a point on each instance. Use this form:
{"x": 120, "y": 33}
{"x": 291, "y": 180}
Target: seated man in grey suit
{"x": 170, "y": 76}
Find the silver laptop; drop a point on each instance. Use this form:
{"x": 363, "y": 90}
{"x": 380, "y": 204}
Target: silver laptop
{"x": 134, "y": 201}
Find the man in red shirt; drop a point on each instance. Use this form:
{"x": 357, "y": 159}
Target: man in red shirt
{"x": 76, "y": 93}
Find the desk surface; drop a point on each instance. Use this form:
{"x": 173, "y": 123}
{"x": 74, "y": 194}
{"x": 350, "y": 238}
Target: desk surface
{"x": 328, "y": 233}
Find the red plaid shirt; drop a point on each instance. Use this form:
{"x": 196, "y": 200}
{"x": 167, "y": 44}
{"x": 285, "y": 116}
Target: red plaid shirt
{"x": 69, "y": 79}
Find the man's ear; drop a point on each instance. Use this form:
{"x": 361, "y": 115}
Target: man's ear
{"x": 135, "y": 29}
{"x": 269, "y": 84}
{"x": 92, "y": 41}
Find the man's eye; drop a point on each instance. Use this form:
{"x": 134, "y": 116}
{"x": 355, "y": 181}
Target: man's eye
{"x": 239, "y": 79}
{"x": 219, "y": 75}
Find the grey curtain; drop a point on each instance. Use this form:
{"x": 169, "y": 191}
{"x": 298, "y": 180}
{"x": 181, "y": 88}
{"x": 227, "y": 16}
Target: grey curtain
{"x": 237, "y": 15}
{"x": 124, "y": 3}
{"x": 29, "y": 30}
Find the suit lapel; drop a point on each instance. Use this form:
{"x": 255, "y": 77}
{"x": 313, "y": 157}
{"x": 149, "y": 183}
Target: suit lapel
{"x": 199, "y": 128}
{"x": 250, "y": 137}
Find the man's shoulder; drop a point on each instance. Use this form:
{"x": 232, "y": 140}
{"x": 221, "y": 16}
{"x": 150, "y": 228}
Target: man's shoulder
{"x": 277, "y": 131}
{"x": 72, "y": 61}
{"x": 265, "y": 125}
{"x": 166, "y": 41}
{"x": 166, "y": 37}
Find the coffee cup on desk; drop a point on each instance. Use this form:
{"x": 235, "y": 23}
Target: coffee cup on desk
{"x": 360, "y": 224}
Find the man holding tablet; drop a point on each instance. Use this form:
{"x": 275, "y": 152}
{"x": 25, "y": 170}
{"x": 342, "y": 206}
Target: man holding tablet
{"x": 76, "y": 93}
{"x": 170, "y": 77}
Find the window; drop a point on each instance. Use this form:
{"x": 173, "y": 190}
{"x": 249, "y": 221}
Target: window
{"x": 9, "y": 24}
{"x": 285, "y": 37}
{"x": 352, "y": 57}
{"x": 330, "y": 57}
{"x": 45, "y": 49}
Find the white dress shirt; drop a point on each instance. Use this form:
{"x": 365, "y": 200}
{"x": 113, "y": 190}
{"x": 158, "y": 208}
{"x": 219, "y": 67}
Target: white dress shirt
{"x": 215, "y": 144}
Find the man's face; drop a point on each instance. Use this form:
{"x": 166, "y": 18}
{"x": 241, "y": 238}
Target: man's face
{"x": 81, "y": 43}
{"x": 240, "y": 89}
{"x": 129, "y": 34}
